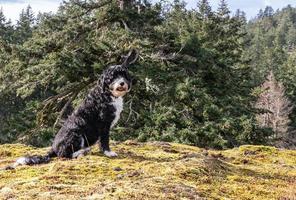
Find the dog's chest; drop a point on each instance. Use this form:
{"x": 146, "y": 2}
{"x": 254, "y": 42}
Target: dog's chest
{"x": 117, "y": 103}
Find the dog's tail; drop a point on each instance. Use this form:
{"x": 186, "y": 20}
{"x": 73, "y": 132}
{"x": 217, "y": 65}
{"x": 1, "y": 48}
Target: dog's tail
{"x": 32, "y": 160}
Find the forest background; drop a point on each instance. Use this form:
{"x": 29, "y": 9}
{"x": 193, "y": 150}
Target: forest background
{"x": 205, "y": 77}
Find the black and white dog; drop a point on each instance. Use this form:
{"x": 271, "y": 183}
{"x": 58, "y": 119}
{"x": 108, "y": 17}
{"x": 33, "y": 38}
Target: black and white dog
{"x": 93, "y": 119}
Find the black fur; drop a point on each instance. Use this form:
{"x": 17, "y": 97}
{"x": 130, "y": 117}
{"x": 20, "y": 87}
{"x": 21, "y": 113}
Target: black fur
{"x": 91, "y": 121}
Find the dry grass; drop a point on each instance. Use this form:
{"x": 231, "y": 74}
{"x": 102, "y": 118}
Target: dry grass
{"x": 154, "y": 171}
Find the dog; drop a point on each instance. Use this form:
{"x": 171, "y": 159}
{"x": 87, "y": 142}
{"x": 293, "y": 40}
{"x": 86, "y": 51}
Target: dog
{"x": 92, "y": 120}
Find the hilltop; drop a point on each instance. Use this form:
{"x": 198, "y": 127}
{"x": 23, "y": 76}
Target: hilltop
{"x": 155, "y": 170}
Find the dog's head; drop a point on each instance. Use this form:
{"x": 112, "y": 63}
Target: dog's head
{"x": 116, "y": 78}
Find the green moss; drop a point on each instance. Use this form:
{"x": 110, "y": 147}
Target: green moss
{"x": 153, "y": 171}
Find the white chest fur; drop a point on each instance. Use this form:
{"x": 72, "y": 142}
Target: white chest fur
{"x": 118, "y": 105}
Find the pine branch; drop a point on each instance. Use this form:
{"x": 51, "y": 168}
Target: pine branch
{"x": 89, "y": 7}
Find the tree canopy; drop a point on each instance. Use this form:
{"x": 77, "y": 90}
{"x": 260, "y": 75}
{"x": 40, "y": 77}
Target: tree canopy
{"x": 196, "y": 76}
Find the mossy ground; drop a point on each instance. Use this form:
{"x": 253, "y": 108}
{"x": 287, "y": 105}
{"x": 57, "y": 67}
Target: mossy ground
{"x": 153, "y": 171}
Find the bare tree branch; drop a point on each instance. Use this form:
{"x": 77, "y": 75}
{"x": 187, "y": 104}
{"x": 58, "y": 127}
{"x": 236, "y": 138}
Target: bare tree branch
{"x": 65, "y": 109}
{"x": 277, "y": 108}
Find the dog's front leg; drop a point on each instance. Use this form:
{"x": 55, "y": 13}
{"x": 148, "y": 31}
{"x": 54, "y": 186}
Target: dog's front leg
{"x": 104, "y": 139}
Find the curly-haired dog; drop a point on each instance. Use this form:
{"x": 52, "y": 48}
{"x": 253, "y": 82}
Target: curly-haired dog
{"x": 93, "y": 119}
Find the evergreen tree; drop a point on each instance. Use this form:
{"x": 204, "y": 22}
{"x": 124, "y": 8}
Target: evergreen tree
{"x": 2, "y": 24}
{"x": 240, "y": 16}
{"x": 204, "y": 8}
{"x": 6, "y": 29}
{"x": 268, "y": 12}
{"x": 291, "y": 38}
{"x": 270, "y": 49}
{"x": 24, "y": 25}
{"x": 260, "y": 15}
{"x": 223, "y": 10}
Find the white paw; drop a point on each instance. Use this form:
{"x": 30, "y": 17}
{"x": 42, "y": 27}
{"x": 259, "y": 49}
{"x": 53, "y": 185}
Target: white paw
{"x": 21, "y": 161}
{"x": 110, "y": 153}
{"x": 81, "y": 153}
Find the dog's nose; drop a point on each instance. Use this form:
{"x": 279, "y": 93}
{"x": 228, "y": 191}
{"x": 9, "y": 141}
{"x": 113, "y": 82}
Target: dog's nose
{"x": 122, "y": 84}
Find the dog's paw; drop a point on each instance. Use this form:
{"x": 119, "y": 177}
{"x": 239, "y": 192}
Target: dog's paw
{"x": 110, "y": 153}
{"x": 81, "y": 153}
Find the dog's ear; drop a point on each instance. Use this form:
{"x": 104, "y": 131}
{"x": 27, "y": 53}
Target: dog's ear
{"x": 102, "y": 81}
{"x": 131, "y": 58}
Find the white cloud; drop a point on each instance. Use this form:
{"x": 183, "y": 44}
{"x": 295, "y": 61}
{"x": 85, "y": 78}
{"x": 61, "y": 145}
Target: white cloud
{"x": 13, "y": 9}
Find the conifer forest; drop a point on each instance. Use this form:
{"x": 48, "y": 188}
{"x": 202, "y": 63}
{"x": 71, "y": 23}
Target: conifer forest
{"x": 205, "y": 77}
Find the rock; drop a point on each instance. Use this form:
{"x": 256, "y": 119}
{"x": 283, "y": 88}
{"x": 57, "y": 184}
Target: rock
{"x": 118, "y": 169}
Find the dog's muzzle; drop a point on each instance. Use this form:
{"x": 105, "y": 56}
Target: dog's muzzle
{"x": 119, "y": 87}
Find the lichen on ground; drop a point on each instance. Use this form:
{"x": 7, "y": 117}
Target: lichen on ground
{"x": 155, "y": 170}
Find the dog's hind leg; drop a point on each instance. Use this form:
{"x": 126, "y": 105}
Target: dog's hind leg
{"x": 81, "y": 152}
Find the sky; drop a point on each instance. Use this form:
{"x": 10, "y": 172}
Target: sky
{"x": 12, "y": 8}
